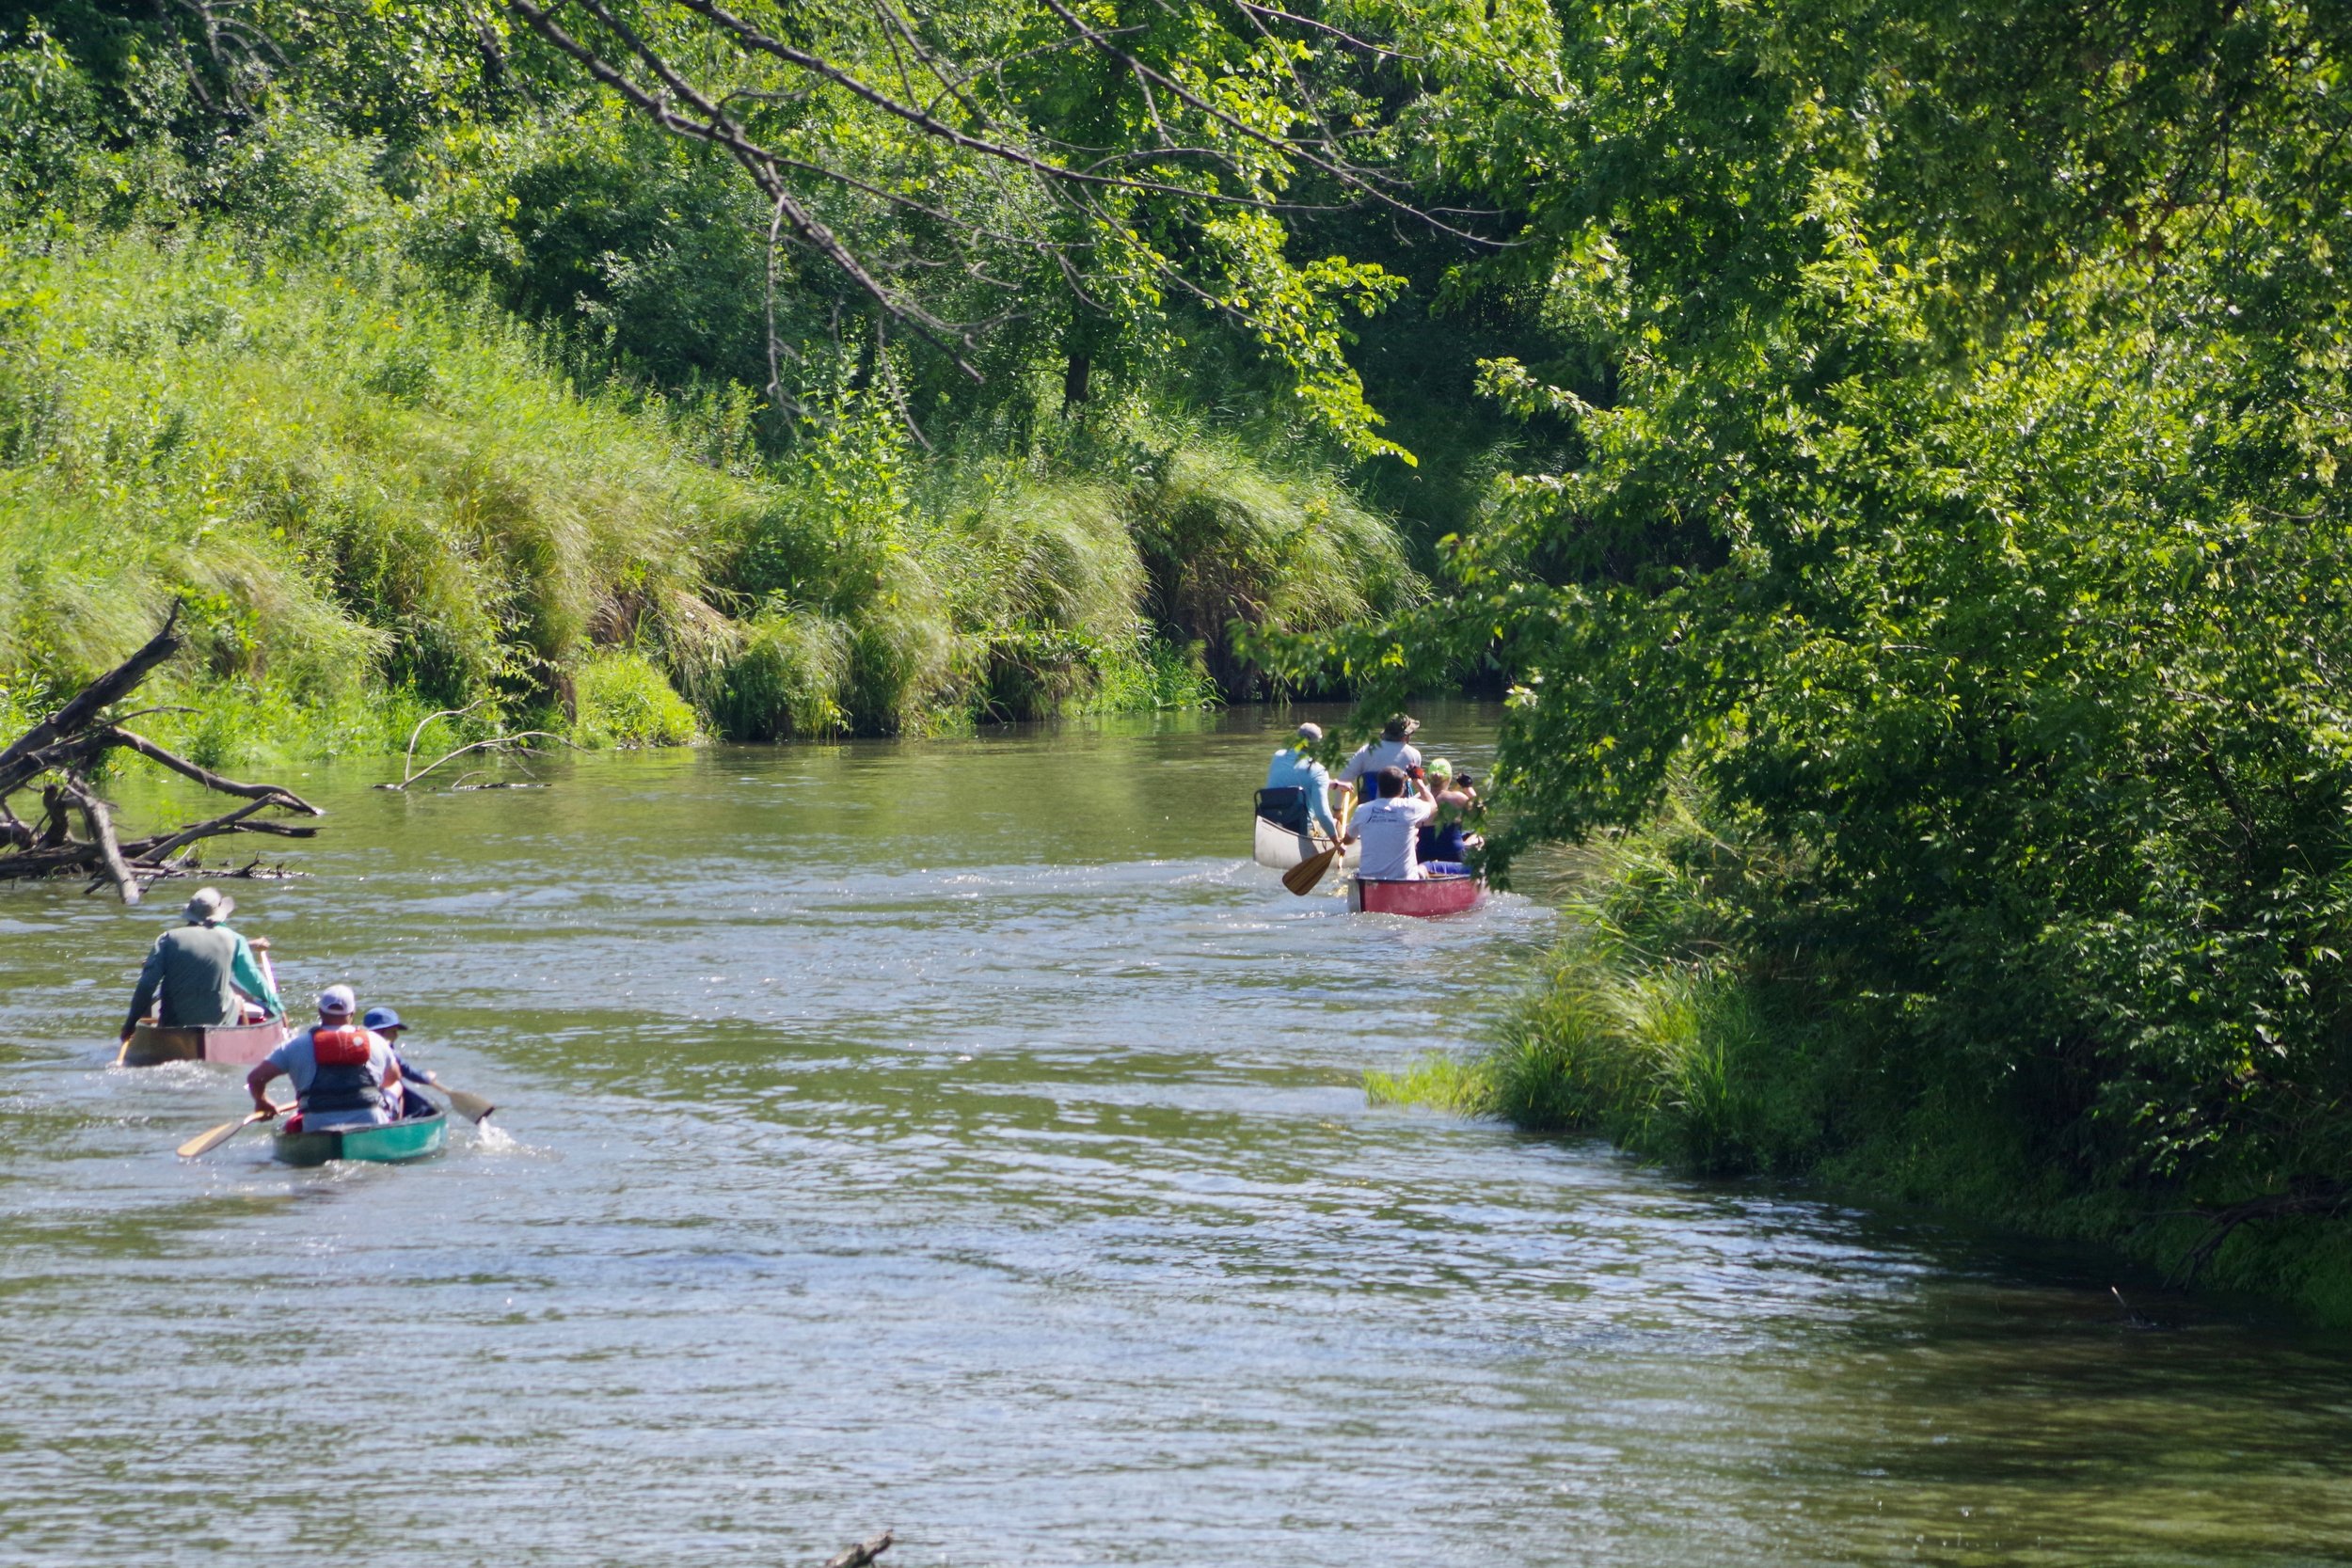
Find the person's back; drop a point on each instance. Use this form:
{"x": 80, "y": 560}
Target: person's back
{"x": 1297, "y": 792}
{"x": 192, "y": 965}
{"x": 344, "y": 1074}
{"x": 1388, "y": 828}
{"x": 1394, "y": 749}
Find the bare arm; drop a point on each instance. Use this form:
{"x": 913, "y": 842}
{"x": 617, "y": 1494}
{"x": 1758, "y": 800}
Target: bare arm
{"x": 257, "y": 1085}
{"x": 151, "y": 976}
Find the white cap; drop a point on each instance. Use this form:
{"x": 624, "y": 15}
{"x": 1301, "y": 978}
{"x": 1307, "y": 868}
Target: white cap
{"x": 1311, "y": 732}
{"x": 339, "y": 999}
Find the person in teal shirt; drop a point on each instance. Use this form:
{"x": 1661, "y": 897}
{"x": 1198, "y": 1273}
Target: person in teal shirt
{"x": 1292, "y": 769}
{"x": 199, "y": 969}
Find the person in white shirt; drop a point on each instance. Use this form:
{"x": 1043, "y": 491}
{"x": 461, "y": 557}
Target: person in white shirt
{"x": 1388, "y": 826}
{"x": 1392, "y": 749}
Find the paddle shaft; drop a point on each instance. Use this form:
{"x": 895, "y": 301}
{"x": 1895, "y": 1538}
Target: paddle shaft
{"x": 1302, "y": 879}
{"x": 204, "y": 1142}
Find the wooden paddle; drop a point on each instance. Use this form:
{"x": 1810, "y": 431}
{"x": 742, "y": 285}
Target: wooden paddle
{"x": 1301, "y": 878}
{"x": 471, "y": 1106}
{"x": 204, "y": 1142}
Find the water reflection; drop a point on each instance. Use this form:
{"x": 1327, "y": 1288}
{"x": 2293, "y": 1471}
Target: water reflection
{"x": 963, "y": 1137}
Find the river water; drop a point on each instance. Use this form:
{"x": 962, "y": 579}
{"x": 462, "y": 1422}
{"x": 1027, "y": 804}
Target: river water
{"x": 966, "y": 1138}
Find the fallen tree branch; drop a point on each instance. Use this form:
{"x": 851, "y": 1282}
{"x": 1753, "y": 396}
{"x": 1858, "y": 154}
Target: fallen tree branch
{"x": 497, "y": 742}
{"x": 2319, "y": 1199}
{"x": 270, "y": 794}
{"x": 859, "y": 1554}
{"x": 92, "y": 700}
{"x": 60, "y": 750}
{"x": 234, "y": 822}
{"x": 101, "y": 828}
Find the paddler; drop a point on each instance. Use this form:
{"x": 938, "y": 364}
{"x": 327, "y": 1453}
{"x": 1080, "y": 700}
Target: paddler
{"x": 385, "y": 1022}
{"x": 201, "y": 969}
{"x": 345, "y": 1074}
{"x": 1293, "y": 770}
{"x": 1388, "y": 826}
{"x": 1394, "y": 749}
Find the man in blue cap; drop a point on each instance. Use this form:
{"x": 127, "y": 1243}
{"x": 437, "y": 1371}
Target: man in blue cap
{"x": 385, "y": 1022}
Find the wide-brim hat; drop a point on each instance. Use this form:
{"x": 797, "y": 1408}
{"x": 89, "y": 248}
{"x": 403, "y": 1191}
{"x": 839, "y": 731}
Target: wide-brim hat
{"x": 209, "y": 903}
{"x": 1399, "y": 727}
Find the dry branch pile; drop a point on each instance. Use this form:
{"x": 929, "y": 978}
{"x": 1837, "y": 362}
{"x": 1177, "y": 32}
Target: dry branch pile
{"x": 57, "y": 756}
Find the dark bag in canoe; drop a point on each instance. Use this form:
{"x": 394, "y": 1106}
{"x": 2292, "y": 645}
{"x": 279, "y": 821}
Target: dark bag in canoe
{"x": 1285, "y": 808}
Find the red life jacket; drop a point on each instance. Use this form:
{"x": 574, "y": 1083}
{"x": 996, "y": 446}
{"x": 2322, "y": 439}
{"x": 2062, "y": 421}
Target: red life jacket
{"x": 343, "y": 1047}
{"x": 343, "y": 1080}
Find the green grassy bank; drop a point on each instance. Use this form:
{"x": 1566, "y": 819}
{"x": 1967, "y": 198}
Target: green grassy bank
{"x": 1691, "y": 1014}
{"x": 376, "y": 501}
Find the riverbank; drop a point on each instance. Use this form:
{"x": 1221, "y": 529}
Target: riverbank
{"x": 1691, "y": 1014}
{"x": 376, "y": 501}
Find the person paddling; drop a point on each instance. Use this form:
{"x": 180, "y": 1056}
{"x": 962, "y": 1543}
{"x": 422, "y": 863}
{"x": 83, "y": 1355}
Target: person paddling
{"x": 1387, "y": 827}
{"x": 1297, "y": 792}
{"x": 199, "y": 970}
{"x": 385, "y": 1022}
{"x": 1394, "y": 749}
{"x": 1447, "y": 837}
{"x": 345, "y": 1074}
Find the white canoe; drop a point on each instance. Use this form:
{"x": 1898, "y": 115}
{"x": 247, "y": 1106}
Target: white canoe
{"x": 1281, "y": 848}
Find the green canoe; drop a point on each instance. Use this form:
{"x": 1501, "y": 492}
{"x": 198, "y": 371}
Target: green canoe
{"x": 393, "y": 1143}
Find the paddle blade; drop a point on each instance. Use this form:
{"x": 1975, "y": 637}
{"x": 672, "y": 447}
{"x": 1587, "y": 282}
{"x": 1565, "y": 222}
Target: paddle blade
{"x": 471, "y": 1106}
{"x": 204, "y": 1142}
{"x": 1301, "y": 878}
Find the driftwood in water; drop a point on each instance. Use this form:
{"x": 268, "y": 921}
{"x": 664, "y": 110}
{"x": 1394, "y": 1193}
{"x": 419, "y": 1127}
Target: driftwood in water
{"x": 501, "y": 744}
{"x": 57, "y": 757}
{"x": 862, "y": 1553}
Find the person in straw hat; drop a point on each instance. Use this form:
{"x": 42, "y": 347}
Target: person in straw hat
{"x": 199, "y": 970}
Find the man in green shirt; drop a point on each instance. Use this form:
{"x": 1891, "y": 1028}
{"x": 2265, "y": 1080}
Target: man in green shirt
{"x": 200, "y": 967}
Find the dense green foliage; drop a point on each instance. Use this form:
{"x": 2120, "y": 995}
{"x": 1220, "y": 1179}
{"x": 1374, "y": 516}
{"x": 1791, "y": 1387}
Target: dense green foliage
{"x": 415, "y": 363}
{"x": 1957, "y": 413}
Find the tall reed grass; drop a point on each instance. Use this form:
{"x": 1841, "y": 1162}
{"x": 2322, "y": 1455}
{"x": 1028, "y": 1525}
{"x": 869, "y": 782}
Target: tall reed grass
{"x": 360, "y": 487}
{"x": 1645, "y": 1025}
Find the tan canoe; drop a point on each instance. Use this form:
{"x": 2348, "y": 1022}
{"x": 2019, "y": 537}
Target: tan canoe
{"x": 241, "y": 1043}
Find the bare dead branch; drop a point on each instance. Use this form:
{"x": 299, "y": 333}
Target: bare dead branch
{"x": 273, "y": 794}
{"x": 101, "y": 828}
{"x": 497, "y": 742}
{"x": 863, "y": 1553}
{"x": 100, "y": 695}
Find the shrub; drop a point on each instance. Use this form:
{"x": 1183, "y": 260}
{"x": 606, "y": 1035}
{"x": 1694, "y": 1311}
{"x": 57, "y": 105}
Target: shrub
{"x": 787, "y": 680}
{"x": 624, "y": 700}
{"x": 1227, "y": 540}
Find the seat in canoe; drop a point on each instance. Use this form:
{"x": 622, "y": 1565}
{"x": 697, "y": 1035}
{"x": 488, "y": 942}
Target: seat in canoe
{"x": 393, "y": 1143}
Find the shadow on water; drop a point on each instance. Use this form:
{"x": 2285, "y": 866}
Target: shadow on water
{"x": 966, "y": 1138}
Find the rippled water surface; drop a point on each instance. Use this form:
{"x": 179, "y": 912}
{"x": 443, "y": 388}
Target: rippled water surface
{"x": 966, "y": 1138}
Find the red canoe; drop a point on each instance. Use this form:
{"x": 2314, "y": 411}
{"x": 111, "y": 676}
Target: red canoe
{"x": 240, "y": 1043}
{"x": 1422, "y": 896}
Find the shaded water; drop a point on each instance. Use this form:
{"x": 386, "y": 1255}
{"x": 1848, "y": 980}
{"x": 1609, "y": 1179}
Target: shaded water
{"x": 966, "y": 1138}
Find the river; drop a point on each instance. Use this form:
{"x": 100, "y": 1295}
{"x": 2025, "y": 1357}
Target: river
{"x": 964, "y": 1137}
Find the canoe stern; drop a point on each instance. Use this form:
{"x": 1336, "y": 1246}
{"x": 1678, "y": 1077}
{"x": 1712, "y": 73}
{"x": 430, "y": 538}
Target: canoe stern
{"x": 1422, "y": 898}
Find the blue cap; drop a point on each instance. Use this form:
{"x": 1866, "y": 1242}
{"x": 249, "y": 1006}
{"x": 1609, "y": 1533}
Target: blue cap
{"x": 381, "y": 1017}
